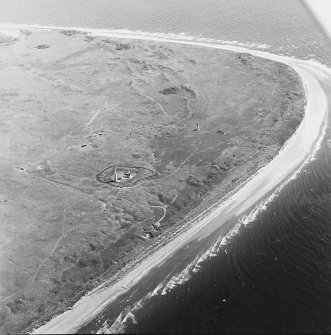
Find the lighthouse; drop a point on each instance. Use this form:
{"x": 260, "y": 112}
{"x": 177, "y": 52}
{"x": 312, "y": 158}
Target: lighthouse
{"x": 115, "y": 175}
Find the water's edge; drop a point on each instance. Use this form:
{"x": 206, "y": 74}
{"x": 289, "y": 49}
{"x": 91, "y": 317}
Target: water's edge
{"x": 298, "y": 65}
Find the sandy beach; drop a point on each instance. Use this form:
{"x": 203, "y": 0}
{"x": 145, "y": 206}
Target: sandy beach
{"x": 299, "y": 149}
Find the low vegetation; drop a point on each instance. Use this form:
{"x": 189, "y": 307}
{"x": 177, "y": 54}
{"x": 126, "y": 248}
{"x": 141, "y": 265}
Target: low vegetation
{"x": 193, "y": 122}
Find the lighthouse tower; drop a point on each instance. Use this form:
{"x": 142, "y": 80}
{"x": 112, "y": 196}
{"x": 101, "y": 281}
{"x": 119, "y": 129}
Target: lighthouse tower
{"x": 115, "y": 175}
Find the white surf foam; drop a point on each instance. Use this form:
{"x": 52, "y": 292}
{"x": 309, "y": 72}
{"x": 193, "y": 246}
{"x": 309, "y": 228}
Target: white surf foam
{"x": 127, "y": 315}
{"x": 125, "y": 33}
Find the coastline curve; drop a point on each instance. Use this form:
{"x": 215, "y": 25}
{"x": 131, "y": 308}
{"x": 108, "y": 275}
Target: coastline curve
{"x": 298, "y": 149}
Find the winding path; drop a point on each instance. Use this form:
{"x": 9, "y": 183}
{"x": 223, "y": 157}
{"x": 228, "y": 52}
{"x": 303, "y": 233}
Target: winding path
{"x": 157, "y": 223}
{"x": 58, "y": 240}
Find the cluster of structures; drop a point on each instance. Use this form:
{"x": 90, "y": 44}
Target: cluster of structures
{"x": 117, "y": 175}
{"x": 124, "y": 176}
{"x": 121, "y": 175}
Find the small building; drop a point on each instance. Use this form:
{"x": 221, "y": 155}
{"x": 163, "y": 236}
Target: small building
{"x": 127, "y": 174}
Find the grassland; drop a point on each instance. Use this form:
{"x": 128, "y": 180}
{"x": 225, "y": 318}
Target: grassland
{"x": 73, "y": 105}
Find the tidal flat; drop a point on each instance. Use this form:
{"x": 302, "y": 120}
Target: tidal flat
{"x": 198, "y": 122}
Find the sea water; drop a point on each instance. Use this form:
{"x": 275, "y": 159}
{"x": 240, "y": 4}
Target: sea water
{"x": 283, "y": 26}
{"x": 274, "y": 274}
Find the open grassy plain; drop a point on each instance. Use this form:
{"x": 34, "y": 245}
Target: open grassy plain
{"x": 188, "y": 123}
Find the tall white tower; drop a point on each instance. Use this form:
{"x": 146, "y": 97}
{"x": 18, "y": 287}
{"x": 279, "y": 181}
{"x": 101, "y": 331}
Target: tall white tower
{"x": 115, "y": 175}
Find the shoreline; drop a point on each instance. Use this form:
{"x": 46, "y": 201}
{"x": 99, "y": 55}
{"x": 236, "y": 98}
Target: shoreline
{"x": 244, "y": 190}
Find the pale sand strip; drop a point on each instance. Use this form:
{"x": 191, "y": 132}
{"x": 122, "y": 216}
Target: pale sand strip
{"x": 296, "y": 151}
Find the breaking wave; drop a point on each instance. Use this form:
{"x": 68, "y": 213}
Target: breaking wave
{"x": 15, "y": 30}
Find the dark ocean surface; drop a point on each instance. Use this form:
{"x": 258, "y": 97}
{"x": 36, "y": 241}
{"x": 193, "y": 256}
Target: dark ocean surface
{"x": 275, "y": 274}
